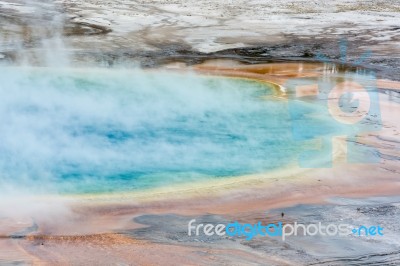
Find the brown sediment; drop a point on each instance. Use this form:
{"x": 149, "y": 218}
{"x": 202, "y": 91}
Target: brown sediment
{"x": 278, "y": 72}
{"x": 111, "y": 249}
{"x": 274, "y": 72}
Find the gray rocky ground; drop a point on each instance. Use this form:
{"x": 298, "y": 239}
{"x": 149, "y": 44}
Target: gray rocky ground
{"x": 160, "y": 31}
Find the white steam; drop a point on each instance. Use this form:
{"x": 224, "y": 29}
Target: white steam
{"x": 101, "y": 129}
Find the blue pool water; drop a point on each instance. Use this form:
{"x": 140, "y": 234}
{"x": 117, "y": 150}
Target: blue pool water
{"x": 120, "y": 130}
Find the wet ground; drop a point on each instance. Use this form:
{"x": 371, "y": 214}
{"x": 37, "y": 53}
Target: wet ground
{"x": 167, "y": 236}
{"x": 350, "y": 249}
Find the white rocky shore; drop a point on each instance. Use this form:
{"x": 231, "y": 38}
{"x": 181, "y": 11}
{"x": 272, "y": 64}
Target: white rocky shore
{"x": 208, "y": 26}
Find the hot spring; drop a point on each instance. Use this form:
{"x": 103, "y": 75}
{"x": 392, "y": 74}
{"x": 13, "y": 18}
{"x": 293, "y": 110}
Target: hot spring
{"x": 101, "y": 131}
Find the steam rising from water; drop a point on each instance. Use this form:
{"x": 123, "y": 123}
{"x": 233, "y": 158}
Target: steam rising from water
{"x": 65, "y": 131}
{"x": 112, "y": 130}
{"x": 32, "y": 33}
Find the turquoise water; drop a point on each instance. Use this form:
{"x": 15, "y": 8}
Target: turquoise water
{"x": 121, "y": 130}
